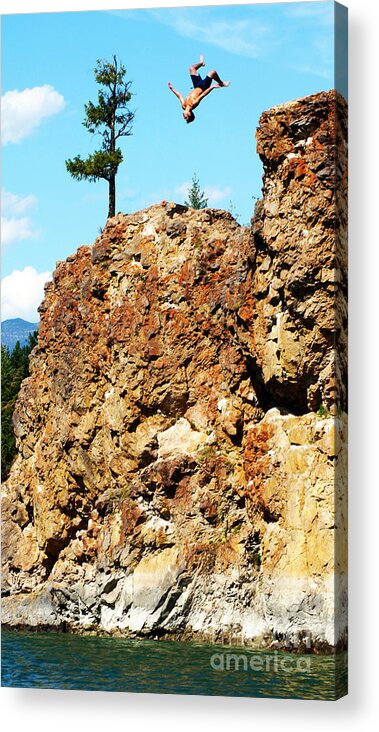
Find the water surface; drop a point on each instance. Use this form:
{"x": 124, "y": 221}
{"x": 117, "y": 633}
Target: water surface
{"x": 64, "y": 661}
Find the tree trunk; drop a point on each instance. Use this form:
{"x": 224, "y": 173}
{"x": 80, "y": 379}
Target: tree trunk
{"x": 112, "y": 179}
{"x": 112, "y": 196}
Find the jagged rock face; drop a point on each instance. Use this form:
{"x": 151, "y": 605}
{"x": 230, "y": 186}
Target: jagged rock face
{"x": 296, "y": 482}
{"x": 295, "y": 302}
{"x": 158, "y": 488}
{"x": 135, "y": 371}
{"x": 137, "y": 400}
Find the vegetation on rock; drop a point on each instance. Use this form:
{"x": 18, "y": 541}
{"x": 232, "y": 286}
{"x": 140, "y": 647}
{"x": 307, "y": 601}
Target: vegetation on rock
{"x": 14, "y": 369}
{"x": 174, "y": 477}
{"x": 112, "y": 119}
{"x": 196, "y": 197}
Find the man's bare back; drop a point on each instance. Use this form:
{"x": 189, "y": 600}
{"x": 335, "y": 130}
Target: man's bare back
{"x": 202, "y": 87}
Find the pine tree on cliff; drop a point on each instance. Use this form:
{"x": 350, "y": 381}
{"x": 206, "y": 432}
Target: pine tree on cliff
{"x": 112, "y": 119}
{"x": 196, "y": 197}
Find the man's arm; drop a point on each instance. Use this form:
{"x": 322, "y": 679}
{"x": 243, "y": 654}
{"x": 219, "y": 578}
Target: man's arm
{"x": 177, "y": 94}
{"x": 208, "y": 91}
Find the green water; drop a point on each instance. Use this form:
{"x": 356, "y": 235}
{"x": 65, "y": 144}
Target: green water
{"x": 64, "y": 661}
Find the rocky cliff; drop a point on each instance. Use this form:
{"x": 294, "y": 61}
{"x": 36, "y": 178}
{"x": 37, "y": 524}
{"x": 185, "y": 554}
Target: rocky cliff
{"x": 181, "y": 437}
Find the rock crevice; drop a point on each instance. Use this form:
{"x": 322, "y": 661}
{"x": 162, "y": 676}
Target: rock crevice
{"x": 181, "y": 437}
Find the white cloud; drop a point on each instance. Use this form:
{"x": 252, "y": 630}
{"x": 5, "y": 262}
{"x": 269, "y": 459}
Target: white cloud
{"x": 316, "y": 21}
{"x": 22, "y": 293}
{"x": 323, "y": 72}
{"x": 23, "y": 111}
{"x": 14, "y": 205}
{"x": 183, "y": 189}
{"x": 16, "y": 229}
{"x": 242, "y": 37}
{"x": 215, "y": 195}
{"x": 322, "y": 12}
{"x": 14, "y": 226}
{"x": 285, "y": 40}
{"x": 320, "y": 58}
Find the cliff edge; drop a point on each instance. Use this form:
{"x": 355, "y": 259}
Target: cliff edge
{"x": 181, "y": 438}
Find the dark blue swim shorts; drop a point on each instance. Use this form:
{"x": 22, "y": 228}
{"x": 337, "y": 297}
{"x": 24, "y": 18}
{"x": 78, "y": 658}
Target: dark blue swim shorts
{"x": 203, "y": 84}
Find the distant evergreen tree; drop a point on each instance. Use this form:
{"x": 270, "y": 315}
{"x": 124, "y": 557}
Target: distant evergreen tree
{"x": 232, "y": 210}
{"x": 14, "y": 369}
{"x": 196, "y": 197}
{"x": 112, "y": 119}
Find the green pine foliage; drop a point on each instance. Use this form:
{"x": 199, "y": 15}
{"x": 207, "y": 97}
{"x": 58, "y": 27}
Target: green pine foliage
{"x": 196, "y": 197}
{"x": 111, "y": 118}
{"x": 14, "y": 369}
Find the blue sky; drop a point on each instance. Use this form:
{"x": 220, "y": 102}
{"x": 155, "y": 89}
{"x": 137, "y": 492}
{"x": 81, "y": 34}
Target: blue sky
{"x": 271, "y": 53}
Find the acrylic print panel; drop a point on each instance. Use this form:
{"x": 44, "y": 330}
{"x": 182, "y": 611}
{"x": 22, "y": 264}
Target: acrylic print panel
{"x": 174, "y": 496}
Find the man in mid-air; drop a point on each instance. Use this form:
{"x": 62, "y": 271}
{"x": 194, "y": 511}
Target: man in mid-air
{"x": 202, "y": 87}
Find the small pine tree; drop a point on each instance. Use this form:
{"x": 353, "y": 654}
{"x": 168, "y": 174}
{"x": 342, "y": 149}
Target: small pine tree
{"x": 196, "y": 197}
{"x": 112, "y": 119}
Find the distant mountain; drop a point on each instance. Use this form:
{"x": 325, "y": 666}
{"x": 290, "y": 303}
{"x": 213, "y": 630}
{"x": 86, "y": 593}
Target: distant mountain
{"x": 16, "y": 329}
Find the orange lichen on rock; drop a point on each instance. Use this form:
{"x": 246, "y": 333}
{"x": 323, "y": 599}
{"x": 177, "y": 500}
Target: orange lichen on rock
{"x": 178, "y": 456}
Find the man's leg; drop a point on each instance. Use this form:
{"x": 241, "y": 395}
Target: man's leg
{"x": 194, "y": 68}
{"x": 214, "y": 75}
